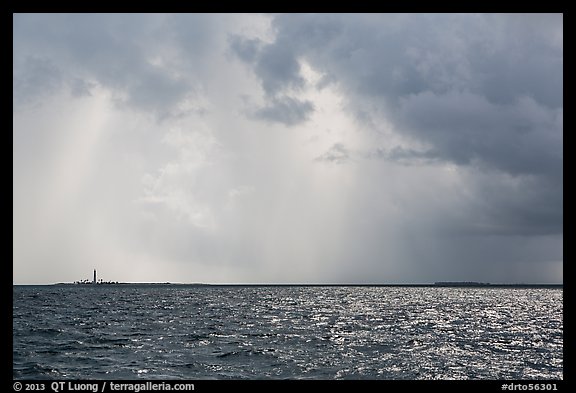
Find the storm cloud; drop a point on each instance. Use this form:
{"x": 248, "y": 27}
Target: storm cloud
{"x": 288, "y": 148}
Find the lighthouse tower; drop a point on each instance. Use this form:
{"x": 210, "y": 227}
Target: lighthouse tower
{"x": 94, "y": 280}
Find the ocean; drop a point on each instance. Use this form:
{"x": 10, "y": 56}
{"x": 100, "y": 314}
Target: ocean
{"x": 294, "y": 332}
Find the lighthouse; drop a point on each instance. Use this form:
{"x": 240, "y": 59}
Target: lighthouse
{"x": 94, "y": 280}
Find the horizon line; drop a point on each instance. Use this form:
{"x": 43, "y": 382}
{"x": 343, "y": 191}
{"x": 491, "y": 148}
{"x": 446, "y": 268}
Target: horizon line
{"x": 433, "y": 284}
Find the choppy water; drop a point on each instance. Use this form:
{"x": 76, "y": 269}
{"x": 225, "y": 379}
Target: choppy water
{"x": 116, "y": 332}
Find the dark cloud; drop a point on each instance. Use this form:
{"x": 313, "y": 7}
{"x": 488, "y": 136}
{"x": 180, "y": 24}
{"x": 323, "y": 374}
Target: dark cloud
{"x": 518, "y": 138}
{"x": 116, "y": 52}
{"x": 276, "y": 66}
{"x": 405, "y": 156}
{"x": 34, "y": 78}
{"x": 245, "y": 48}
{"x": 285, "y": 110}
{"x": 422, "y": 147}
{"x": 525, "y": 206}
{"x": 483, "y": 92}
{"x": 278, "y": 70}
{"x": 468, "y": 84}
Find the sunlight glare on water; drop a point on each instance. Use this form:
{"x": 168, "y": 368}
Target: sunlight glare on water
{"x": 127, "y": 332}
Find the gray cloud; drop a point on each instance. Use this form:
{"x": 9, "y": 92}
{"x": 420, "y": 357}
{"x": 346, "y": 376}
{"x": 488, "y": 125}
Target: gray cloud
{"x": 482, "y": 91}
{"x": 405, "y": 156}
{"x": 279, "y": 72}
{"x": 278, "y": 69}
{"x": 117, "y": 52}
{"x": 421, "y": 147}
{"x": 245, "y": 48}
{"x": 519, "y": 138}
{"x": 34, "y": 78}
{"x": 337, "y": 154}
{"x": 435, "y": 75}
{"x": 275, "y": 65}
{"x": 80, "y": 87}
{"x": 285, "y": 110}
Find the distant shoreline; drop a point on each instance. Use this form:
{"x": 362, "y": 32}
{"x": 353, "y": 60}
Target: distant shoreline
{"x": 199, "y": 285}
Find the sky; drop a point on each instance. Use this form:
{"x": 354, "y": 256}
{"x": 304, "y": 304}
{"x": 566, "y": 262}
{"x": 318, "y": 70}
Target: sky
{"x": 288, "y": 148}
